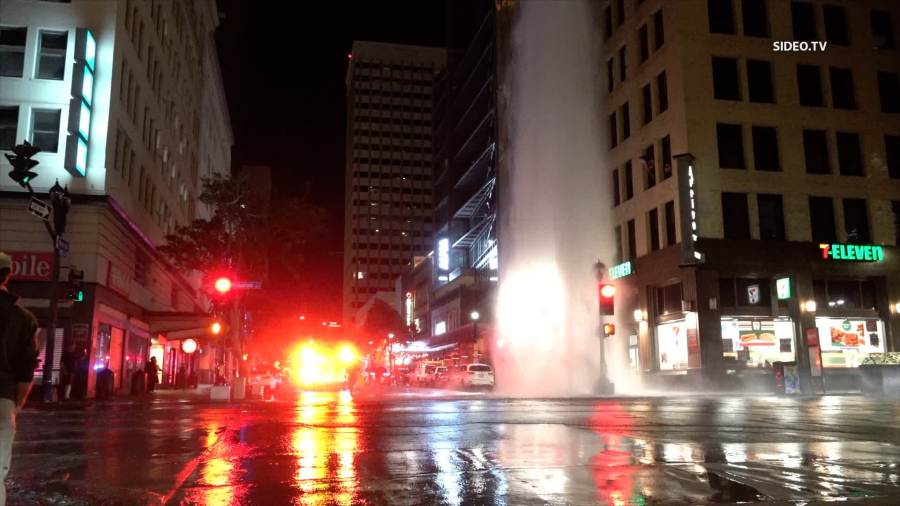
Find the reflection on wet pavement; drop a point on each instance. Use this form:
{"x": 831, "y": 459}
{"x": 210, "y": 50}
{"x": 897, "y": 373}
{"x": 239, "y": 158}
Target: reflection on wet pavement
{"x": 330, "y": 449}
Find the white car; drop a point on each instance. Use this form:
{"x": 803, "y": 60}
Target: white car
{"x": 477, "y": 375}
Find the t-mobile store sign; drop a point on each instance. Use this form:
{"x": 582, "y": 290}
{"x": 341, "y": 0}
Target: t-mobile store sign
{"x": 32, "y": 265}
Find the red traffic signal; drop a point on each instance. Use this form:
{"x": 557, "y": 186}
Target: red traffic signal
{"x": 607, "y": 299}
{"x": 222, "y": 285}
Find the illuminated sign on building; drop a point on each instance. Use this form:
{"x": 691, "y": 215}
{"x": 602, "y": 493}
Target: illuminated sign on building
{"x": 444, "y": 254}
{"x": 409, "y": 309}
{"x": 783, "y": 288}
{"x": 81, "y": 106}
{"x": 621, "y": 270}
{"x": 687, "y": 202}
{"x": 852, "y": 252}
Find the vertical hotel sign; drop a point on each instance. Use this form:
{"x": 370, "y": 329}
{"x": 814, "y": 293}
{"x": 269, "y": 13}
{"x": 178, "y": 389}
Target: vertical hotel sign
{"x": 687, "y": 203}
{"x": 81, "y": 106}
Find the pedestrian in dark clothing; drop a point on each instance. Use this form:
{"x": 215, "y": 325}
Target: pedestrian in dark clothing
{"x": 181, "y": 378}
{"x": 152, "y": 374}
{"x": 67, "y": 372}
{"x": 18, "y": 359}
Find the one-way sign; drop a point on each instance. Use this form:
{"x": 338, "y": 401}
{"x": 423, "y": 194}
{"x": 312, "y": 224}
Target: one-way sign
{"x": 39, "y": 208}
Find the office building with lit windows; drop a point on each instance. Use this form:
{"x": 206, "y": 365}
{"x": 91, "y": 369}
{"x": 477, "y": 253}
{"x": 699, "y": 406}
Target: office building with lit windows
{"x": 125, "y": 101}
{"x": 757, "y": 191}
{"x": 388, "y": 207}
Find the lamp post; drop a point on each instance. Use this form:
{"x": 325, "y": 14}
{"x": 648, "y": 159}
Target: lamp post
{"x": 391, "y": 355}
{"x": 474, "y": 316}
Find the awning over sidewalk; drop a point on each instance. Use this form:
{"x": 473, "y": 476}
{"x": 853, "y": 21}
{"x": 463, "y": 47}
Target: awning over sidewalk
{"x": 177, "y": 325}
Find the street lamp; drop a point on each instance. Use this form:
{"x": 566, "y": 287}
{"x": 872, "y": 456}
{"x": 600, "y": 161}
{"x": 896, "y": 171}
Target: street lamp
{"x": 391, "y": 355}
{"x": 474, "y": 316}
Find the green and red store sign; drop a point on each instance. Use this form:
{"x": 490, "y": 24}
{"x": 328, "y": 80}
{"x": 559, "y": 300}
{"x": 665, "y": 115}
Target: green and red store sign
{"x": 852, "y": 252}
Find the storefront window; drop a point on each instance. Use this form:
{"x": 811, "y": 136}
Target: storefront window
{"x": 668, "y": 299}
{"x": 633, "y": 352}
{"x": 101, "y": 355}
{"x": 726, "y": 292}
{"x": 844, "y": 294}
{"x": 758, "y": 342}
{"x": 847, "y": 341}
{"x": 675, "y": 343}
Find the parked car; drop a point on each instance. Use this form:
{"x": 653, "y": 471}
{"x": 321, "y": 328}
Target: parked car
{"x": 425, "y": 373}
{"x": 265, "y": 377}
{"x": 473, "y": 375}
{"x": 441, "y": 376}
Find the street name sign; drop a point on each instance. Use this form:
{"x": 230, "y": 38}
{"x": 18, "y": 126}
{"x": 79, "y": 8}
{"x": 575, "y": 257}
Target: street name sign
{"x": 39, "y": 208}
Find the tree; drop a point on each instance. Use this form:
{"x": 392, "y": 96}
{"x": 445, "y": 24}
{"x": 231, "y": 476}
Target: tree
{"x": 381, "y": 319}
{"x": 246, "y": 231}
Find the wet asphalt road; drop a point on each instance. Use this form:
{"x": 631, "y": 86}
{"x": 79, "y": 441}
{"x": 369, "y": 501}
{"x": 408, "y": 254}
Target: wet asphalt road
{"x": 417, "y": 448}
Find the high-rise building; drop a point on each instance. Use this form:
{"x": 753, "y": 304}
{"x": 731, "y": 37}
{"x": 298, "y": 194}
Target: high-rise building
{"x": 465, "y": 163}
{"x": 388, "y": 207}
{"x": 125, "y": 101}
{"x": 756, "y": 190}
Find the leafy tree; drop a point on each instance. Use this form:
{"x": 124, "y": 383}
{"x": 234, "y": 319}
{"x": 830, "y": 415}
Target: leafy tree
{"x": 246, "y": 231}
{"x": 381, "y": 319}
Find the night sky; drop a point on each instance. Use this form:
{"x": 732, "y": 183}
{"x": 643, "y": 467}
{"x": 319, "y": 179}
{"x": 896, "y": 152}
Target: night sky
{"x": 284, "y": 65}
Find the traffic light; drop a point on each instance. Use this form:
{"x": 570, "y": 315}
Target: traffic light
{"x": 74, "y": 291}
{"x": 222, "y": 285}
{"x": 609, "y": 329}
{"x": 607, "y": 299}
{"x": 22, "y": 163}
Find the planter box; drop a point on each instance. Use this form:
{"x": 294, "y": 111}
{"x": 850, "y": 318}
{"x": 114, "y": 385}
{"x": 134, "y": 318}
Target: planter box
{"x": 881, "y": 380}
{"x": 220, "y": 393}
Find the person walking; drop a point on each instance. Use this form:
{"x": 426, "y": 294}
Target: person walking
{"x": 152, "y": 374}
{"x": 67, "y": 374}
{"x": 18, "y": 359}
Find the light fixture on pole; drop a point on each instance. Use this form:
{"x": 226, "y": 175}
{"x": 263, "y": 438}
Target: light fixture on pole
{"x": 638, "y": 315}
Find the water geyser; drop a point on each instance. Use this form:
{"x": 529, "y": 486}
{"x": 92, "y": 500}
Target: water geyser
{"x": 555, "y": 216}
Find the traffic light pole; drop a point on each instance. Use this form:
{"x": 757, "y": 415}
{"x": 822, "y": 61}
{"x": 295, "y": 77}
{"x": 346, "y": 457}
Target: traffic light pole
{"x": 22, "y": 163}
{"x": 47, "y": 380}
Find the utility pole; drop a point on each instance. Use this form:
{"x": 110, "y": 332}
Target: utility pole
{"x": 55, "y": 223}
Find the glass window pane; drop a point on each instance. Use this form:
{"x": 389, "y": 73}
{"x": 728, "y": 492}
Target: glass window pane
{"x": 12, "y": 51}
{"x": 52, "y": 56}
{"x": 45, "y": 129}
{"x": 9, "y": 120}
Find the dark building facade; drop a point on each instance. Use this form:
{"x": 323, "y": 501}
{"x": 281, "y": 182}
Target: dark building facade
{"x": 465, "y": 168}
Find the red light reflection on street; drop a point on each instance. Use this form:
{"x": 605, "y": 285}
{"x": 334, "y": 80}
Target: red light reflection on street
{"x": 613, "y": 467}
{"x": 325, "y": 443}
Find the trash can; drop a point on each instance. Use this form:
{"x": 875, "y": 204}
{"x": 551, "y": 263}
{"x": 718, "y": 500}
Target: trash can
{"x": 239, "y": 388}
{"x": 778, "y": 371}
{"x": 138, "y": 382}
{"x": 106, "y": 380}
